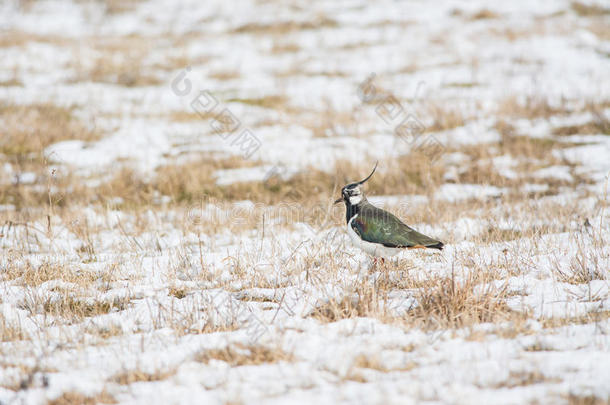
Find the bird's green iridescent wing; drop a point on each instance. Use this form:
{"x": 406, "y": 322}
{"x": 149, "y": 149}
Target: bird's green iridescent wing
{"x": 378, "y": 226}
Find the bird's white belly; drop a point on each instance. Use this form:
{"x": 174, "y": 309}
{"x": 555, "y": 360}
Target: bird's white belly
{"x": 374, "y": 249}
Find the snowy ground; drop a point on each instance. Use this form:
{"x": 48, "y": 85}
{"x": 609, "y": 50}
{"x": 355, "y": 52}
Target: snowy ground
{"x": 167, "y": 171}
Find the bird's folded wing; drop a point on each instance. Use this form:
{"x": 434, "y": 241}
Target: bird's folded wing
{"x": 378, "y": 226}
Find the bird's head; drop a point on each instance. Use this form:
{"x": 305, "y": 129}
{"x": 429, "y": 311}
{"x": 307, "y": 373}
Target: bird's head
{"x": 352, "y": 193}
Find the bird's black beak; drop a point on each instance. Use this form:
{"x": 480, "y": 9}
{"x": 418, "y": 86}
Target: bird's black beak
{"x": 338, "y": 200}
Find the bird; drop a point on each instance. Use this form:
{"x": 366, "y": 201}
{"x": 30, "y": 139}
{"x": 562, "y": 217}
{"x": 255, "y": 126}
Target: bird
{"x": 378, "y": 232}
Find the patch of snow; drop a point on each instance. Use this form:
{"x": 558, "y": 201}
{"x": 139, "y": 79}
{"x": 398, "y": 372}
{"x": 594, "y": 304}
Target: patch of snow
{"x": 458, "y": 192}
{"x": 554, "y": 172}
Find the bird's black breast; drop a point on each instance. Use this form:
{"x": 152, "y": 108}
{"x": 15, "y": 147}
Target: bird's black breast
{"x": 351, "y": 210}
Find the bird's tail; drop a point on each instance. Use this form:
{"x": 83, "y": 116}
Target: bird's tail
{"x": 438, "y": 245}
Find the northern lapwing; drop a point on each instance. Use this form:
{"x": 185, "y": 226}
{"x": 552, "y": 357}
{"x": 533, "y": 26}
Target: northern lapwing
{"x": 376, "y": 231}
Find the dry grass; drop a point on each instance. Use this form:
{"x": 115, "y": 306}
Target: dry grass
{"x": 364, "y": 301}
{"x": 244, "y": 355}
{"x": 600, "y": 28}
{"x": 581, "y": 271}
{"x": 26, "y": 377}
{"x": 49, "y": 190}
{"x": 225, "y": 75}
{"x": 194, "y": 180}
{"x": 32, "y": 275}
{"x": 120, "y": 70}
{"x": 75, "y": 309}
{"x": 589, "y": 10}
{"x": 591, "y": 317}
{"x": 484, "y": 14}
{"x": 519, "y": 145}
{"x": 129, "y": 186}
{"x": 585, "y": 265}
{"x": 453, "y": 303}
{"x": 17, "y": 38}
{"x": 283, "y": 46}
{"x": 194, "y": 183}
{"x": 134, "y": 376}
{"x": 12, "y": 82}
{"x": 28, "y": 129}
{"x": 76, "y": 398}
{"x": 196, "y": 316}
{"x": 330, "y": 123}
{"x": 372, "y": 362}
{"x": 11, "y": 331}
{"x": 576, "y": 399}
{"x": 178, "y": 292}
{"x": 271, "y": 102}
{"x": 283, "y": 28}
{"x": 104, "y": 331}
{"x": 442, "y": 302}
{"x": 530, "y": 107}
{"x": 599, "y": 125}
{"x": 188, "y": 116}
{"x": 524, "y": 378}
{"x": 120, "y": 61}
{"x": 119, "y": 6}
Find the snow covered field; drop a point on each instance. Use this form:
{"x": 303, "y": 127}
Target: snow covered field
{"x": 167, "y": 173}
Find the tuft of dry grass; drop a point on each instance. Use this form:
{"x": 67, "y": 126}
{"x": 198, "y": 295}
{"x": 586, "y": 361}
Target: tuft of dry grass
{"x": 590, "y": 317}
{"x": 178, "y": 292}
{"x": 441, "y": 302}
{"x": 32, "y": 275}
{"x": 451, "y": 303}
{"x": 133, "y": 376}
{"x": 104, "y": 331}
{"x": 600, "y": 28}
{"x": 576, "y": 399}
{"x": 17, "y": 38}
{"x": 74, "y": 309}
{"x": 523, "y": 378}
{"x": 599, "y": 125}
{"x": 225, "y": 75}
{"x": 31, "y": 128}
{"x": 188, "y": 116}
{"x": 484, "y": 14}
{"x": 271, "y": 102}
{"x": 373, "y": 362}
{"x": 119, "y": 61}
{"x": 589, "y": 10}
{"x": 12, "y": 82}
{"x": 530, "y": 107}
{"x": 129, "y": 186}
{"x": 76, "y": 398}
{"x": 580, "y": 272}
{"x": 11, "y": 331}
{"x": 119, "y": 6}
{"x": 194, "y": 180}
{"x": 285, "y": 27}
{"x": 25, "y": 132}
{"x": 331, "y": 122}
{"x": 284, "y": 46}
{"x": 365, "y": 301}
{"x": 244, "y": 355}
{"x": 585, "y": 266}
